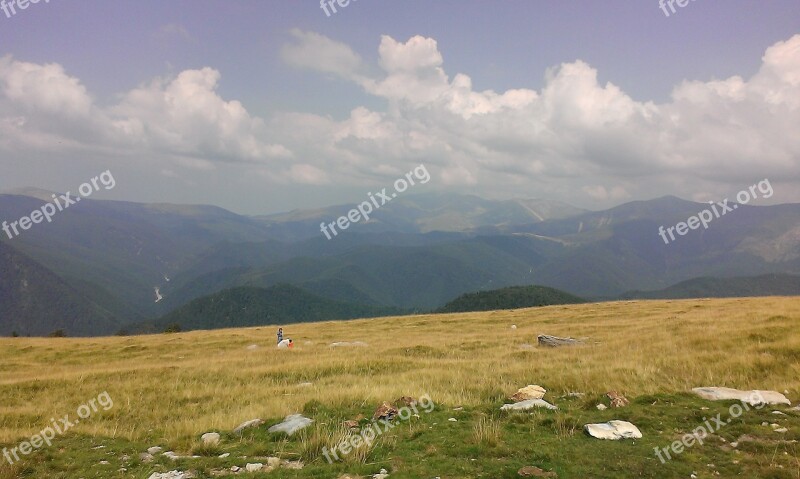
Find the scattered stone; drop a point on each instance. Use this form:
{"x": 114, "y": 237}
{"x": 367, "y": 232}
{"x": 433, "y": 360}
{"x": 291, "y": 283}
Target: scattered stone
{"x": 532, "y": 471}
{"x": 459, "y": 408}
{"x": 104, "y": 463}
{"x": 602, "y": 407}
{"x": 345, "y": 344}
{"x": 171, "y": 475}
{"x": 223, "y": 456}
{"x": 613, "y": 430}
{"x": 235, "y": 468}
{"x": 778, "y": 428}
{"x": 296, "y": 465}
{"x": 555, "y": 341}
{"x": 617, "y": 399}
{"x": 351, "y": 424}
{"x": 210, "y": 439}
{"x": 779, "y": 413}
{"x": 526, "y": 405}
{"x": 452, "y": 419}
{"x": 385, "y": 411}
{"x": 753, "y": 398}
{"x": 253, "y": 467}
{"x": 513, "y": 326}
{"x": 381, "y": 475}
{"x": 531, "y": 391}
{"x": 154, "y": 450}
{"x": 146, "y": 457}
{"x": 405, "y": 401}
{"x": 291, "y": 424}
{"x": 273, "y": 461}
{"x": 247, "y": 425}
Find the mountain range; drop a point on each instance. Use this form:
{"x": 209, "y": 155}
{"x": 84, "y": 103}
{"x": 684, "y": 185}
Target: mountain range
{"x": 119, "y": 264}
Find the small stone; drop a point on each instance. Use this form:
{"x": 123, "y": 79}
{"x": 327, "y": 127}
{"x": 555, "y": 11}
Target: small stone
{"x": 529, "y": 404}
{"x": 531, "y": 391}
{"x": 210, "y": 439}
{"x": 146, "y": 457}
{"x": 224, "y": 455}
{"x": 154, "y": 450}
{"x": 247, "y": 425}
{"x": 235, "y": 468}
{"x": 452, "y": 419}
{"x": 385, "y": 411}
{"x": 617, "y": 399}
{"x": 532, "y": 471}
{"x": 613, "y": 430}
{"x": 291, "y": 424}
{"x": 253, "y": 467}
{"x": 602, "y": 407}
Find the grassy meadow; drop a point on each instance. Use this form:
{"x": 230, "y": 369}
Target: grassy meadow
{"x": 168, "y": 389}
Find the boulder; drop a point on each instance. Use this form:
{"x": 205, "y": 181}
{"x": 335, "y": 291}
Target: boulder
{"x": 531, "y": 391}
{"x": 613, "y": 430}
{"x": 754, "y": 397}
{"x": 555, "y": 341}
{"x": 291, "y": 424}
{"x": 526, "y": 405}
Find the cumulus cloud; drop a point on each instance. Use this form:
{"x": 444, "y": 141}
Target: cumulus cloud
{"x": 574, "y": 139}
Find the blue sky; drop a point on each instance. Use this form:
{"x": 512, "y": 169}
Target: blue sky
{"x": 265, "y": 106}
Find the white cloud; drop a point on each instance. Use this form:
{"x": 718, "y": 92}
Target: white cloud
{"x": 574, "y": 139}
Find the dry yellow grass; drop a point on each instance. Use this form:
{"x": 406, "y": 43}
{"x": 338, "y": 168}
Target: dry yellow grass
{"x": 174, "y": 387}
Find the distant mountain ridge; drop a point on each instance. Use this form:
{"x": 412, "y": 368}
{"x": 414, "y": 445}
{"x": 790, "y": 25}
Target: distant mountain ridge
{"x": 114, "y": 254}
{"x": 764, "y": 285}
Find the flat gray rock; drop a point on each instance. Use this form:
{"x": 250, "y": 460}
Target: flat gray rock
{"x": 292, "y": 424}
{"x": 753, "y": 398}
{"x": 613, "y": 430}
{"x": 526, "y": 405}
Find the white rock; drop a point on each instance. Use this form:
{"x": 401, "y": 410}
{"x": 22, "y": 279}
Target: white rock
{"x": 452, "y": 419}
{"x": 273, "y": 461}
{"x": 345, "y": 344}
{"x": 248, "y": 424}
{"x": 235, "y": 468}
{"x": 513, "y": 326}
{"x": 154, "y": 450}
{"x": 253, "y": 467}
{"x": 613, "y": 430}
{"x": 529, "y": 404}
{"x": 210, "y": 439}
{"x": 291, "y": 424}
{"x": 224, "y": 455}
{"x": 602, "y": 407}
{"x": 754, "y": 397}
{"x": 381, "y": 475}
{"x": 171, "y": 475}
{"x": 779, "y": 413}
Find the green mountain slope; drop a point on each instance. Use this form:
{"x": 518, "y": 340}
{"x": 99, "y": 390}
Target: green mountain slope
{"x": 35, "y": 301}
{"x": 247, "y": 306}
{"x": 509, "y": 298}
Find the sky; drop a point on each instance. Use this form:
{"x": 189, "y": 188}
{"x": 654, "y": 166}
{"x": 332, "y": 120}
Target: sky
{"x": 267, "y": 106}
